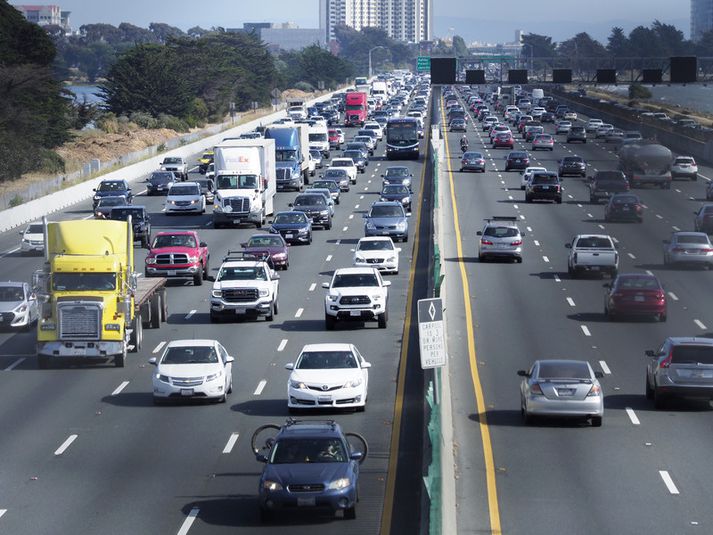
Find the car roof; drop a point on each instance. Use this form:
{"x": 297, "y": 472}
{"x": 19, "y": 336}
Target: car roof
{"x": 354, "y": 271}
{"x": 678, "y": 340}
{"x": 310, "y": 428}
{"x": 594, "y": 236}
{"x": 327, "y": 347}
{"x": 375, "y": 238}
{"x": 12, "y": 284}
{"x": 689, "y": 233}
{"x": 204, "y": 342}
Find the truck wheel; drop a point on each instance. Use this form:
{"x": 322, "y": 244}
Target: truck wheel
{"x": 350, "y": 513}
{"x": 383, "y": 319}
{"x": 306, "y": 177}
{"x": 120, "y": 360}
{"x": 198, "y": 279}
{"x": 271, "y": 315}
{"x": 137, "y": 334}
{"x": 276, "y": 307}
{"x": 214, "y": 318}
{"x": 43, "y": 362}
{"x": 164, "y": 306}
{"x": 155, "y": 311}
{"x": 206, "y": 269}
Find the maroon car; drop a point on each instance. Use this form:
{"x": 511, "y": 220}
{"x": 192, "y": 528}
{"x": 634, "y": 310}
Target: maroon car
{"x": 635, "y": 294}
{"x": 273, "y": 244}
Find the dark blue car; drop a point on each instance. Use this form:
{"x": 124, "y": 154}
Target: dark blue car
{"x": 294, "y": 226}
{"x": 309, "y": 465}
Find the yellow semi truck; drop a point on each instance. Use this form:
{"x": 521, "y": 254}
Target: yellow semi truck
{"x": 92, "y": 303}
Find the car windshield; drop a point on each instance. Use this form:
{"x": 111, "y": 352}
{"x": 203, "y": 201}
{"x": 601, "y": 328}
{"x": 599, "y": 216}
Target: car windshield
{"x": 9, "y": 294}
{"x": 397, "y": 172}
{"x": 265, "y": 241}
{"x": 286, "y": 155}
{"x": 637, "y": 283}
{"x": 625, "y": 199}
{"x": 353, "y": 154}
{"x": 472, "y": 156}
{"x": 83, "y": 282}
{"x": 316, "y": 155}
{"x": 172, "y": 160}
{"x": 336, "y": 173}
{"x": 121, "y": 214}
{"x": 395, "y": 189}
{"x": 690, "y": 354}
{"x": 351, "y": 280}
{"x": 501, "y": 232}
{"x": 594, "y": 242}
{"x": 297, "y": 217}
{"x": 112, "y": 186}
{"x": 331, "y": 185}
{"x": 375, "y": 245}
{"x": 571, "y": 160}
{"x": 35, "y": 228}
{"x": 517, "y": 155}
{"x": 684, "y": 160}
{"x": 544, "y": 179}
{"x": 308, "y": 450}
{"x": 184, "y": 190}
{"x": 161, "y": 178}
{"x": 236, "y": 182}
{"x": 386, "y": 211}
{"x": 310, "y": 200}
{"x": 174, "y": 240}
{"x": 698, "y": 239}
{"x": 190, "y": 355}
{"x": 564, "y": 370}
{"x": 326, "y": 360}
{"x": 242, "y": 273}
{"x": 342, "y": 163}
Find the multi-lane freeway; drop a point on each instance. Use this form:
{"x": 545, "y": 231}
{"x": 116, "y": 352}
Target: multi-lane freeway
{"x": 85, "y": 450}
{"x": 645, "y": 470}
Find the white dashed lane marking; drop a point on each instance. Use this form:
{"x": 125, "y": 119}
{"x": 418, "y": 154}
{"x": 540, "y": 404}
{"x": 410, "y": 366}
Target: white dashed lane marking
{"x": 585, "y": 330}
{"x": 231, "y": 442}
{"x": 570, "y": 302}
{"x": 66, "y": 444}
{"x": 605, "y": 368}
{"x": 120, "y": 388}
{"x": 670, "y": 485}
{"x": 632, "y": 416}
{"x": 299, "y": 312}
{"x": 282, "y": 345}
{"x": 260, "y": 387}
{"x": 188, "y": 522}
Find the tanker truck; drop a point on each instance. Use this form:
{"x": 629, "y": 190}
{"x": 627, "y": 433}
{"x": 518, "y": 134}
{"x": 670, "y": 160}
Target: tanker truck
{"x": 646, "y": 162}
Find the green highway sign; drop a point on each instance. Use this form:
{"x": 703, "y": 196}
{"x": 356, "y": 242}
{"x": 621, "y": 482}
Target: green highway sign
{"x": 423, "y": 64}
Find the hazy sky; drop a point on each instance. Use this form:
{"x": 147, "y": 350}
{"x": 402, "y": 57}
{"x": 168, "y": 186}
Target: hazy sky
{"x": 558, "y": 18}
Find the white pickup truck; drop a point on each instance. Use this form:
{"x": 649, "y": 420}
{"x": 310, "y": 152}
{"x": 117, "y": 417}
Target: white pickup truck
{"x": 592, "y": 252}
{"x": 175, "y": 164}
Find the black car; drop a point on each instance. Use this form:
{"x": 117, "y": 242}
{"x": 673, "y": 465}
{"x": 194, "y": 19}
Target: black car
{"x": 359, "y": 160}
{"x": 572, "y": 165}
{"x": 358, "y": 145}
{"x": 605, "y": 184}
{"x": 112, "y": 188}
{"x": 140, "y": 221}
{"x": 159, "y": 182}
{"x": 397, "y": 175}
{"x": 624, "y": 206}
{"x": 207, "y": 188}
{"x": 517, "y": 160}
{"x": 544, "y": 186}
{"x": 548, "y": 117}
{"x": 106, "y": 204}
{"x": 294, "y": 227}
{"x": 398, "y": 193}
{"x": 315, "y": 207}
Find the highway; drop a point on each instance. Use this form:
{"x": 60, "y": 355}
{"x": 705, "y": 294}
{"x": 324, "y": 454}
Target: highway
{"x": 85, "y": 450}
{"x": 644, "y": 471}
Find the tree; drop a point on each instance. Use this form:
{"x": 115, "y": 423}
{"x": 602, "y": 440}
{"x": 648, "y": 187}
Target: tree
{"x": 196, "y": 32}
{"x": 704, "y": 46}
{"x": 618, "y": 43}
{"x": 644, "y": 43}
{"x": 164, "y": 32}
{"x": 542, "y": 45}
{"x": 670, "y": 38}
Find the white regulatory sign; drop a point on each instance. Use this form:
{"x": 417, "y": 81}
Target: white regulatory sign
{"x": 431, "y": 335}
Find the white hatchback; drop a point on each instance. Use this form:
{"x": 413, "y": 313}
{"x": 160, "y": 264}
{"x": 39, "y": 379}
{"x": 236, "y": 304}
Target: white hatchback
{"x": 185, "y": 197}
{"x": 33, "y": 239}
{"x": 328, "y": 376}
{"x": 378, "y": 252}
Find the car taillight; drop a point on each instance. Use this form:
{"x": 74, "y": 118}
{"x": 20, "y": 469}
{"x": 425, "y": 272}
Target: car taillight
{"x": 480, "y": 161}
{"x": 516, "y": 242}
{"x": 594, "y": 391}
{"x": 665, "y": 363}
{"x": 707, "y": 250}
{"x": 486, "y": 242}
{"x": 536, "y": 390}
{"x": 660, "y": 296}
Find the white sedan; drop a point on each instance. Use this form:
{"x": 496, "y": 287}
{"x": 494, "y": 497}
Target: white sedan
{"x": 193, "y": 369}
{"x": 328, "y": 376}
{"x": 185, "y": 197}
{"x": 348, "y": 164}
{"x": 378, "y": 252}
{"x": 527, "y": 175}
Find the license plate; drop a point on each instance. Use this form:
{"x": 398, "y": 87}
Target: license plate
{"x": 594, "y": 268}
{"x": 545, "y": 187}
{"x": 355, "y": 313}
{"x": 240, "y": 310}
{"x": 289, "y": 235}
{"x": 171, "y": 273}
{"x": 306, "y": 502}
{"x": 325, "y": 399}
{"x": 625, "y": 209}
{"x": 703, "y": 374}
{"x": 565, "y": 391}
{"x": 186, "y": 391}
{"x": 639, "y": 298}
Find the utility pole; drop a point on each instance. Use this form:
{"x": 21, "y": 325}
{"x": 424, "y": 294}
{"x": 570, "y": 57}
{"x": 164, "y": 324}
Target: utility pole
{"x": 370, "y": 51}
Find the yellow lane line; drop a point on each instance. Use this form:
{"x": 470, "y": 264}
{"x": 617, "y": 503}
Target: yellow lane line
{"x": 493, "y": 508}
{"x": 401, "y": 380}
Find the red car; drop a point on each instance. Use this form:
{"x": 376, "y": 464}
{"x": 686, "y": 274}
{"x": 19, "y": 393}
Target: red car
{"x": 635, "y": 294}
{"x": 178, "y": 255}
{"x": 335, "y": 140}
{"x": 504, "y": 139}
{"x": 273, "y": 244}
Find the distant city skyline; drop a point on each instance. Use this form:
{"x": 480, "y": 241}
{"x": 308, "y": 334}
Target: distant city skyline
{"x": 559, "y": 19}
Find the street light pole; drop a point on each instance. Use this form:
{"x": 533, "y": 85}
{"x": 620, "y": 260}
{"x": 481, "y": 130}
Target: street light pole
{"x": 370, "y": 51}
{"x": 531, "y": 54}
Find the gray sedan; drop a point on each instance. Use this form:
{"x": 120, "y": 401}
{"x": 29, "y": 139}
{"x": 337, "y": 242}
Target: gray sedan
{"x": 387, "y": 219}
{"x": 693, "y": 248}
{"x": 561, "y": 388}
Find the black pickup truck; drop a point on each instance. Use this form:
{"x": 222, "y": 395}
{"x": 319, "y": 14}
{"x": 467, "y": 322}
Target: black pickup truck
{"x": 604, "y": 184}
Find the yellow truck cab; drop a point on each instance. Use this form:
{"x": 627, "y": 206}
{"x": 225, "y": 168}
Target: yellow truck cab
{"x": 92, "y": 302}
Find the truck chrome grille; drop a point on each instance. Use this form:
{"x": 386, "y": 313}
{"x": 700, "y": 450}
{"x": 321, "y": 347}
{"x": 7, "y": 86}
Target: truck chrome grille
{"x": 79, "y": 321}
{"x": 282, "y": 173}
{"x": 355, "y": 300}
{"x": 240, "y": 295}
{"x": 239, "y": 204}
{"x": 187, "y": 381}
{"x": 171, "y": 259}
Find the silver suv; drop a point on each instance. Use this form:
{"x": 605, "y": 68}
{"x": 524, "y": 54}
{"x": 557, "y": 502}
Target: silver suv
{"x": 500, "y": 238}
{"x": 681, "y": 367}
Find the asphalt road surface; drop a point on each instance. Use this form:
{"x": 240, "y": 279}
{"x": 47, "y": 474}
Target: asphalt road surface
{"x": 644, "y": 471}
{"x": 85, "y": 450}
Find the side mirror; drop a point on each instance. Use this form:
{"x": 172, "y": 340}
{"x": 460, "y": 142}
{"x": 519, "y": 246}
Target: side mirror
{"x": 244, "y": 244}
{"x": 276, "y": 276}
{"x": 290, "y": 366}
{"x": 356, "y": 456}
{"x": 650, "y": 353}
{"x": 568, "y": 245}
{"x": 203, "y": 244}
{"x": 479, "y": 233}
{"x": 598, "y": 374}
{"x": 152, "y": 361}
{"x": 387, "y": 284}
{"x": 523, "y": 373}
{"x": 325, "y": 285}
{"x": 366, "y": 365}
{"x": 398, "y": 249}
{"x": 259, "y": 457}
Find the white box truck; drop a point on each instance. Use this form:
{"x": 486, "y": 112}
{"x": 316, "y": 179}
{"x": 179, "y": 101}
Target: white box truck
{"x": 245, "y": 182}
{"x": 379, "y": 91}
{"x": 319, "y": 139}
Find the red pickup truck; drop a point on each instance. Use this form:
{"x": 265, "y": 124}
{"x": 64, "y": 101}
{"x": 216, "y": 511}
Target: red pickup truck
{"x": 178, "y": 254}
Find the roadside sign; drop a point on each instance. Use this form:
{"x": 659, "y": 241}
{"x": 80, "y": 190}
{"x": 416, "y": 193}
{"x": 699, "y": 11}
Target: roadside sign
{"x": 423, "y": 64}
{"x": 431, "y": 333}
{"x": 275, "y": 93}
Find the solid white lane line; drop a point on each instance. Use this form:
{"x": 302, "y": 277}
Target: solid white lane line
{"x": 557, "y": 278}
{"x": 700, "y": 325}
{"x": 604, "y": 367}
{"x": 673, "y": 296}
{"x": 674, "y": 227}
{"x": 65, "y": 445}
{"x": 299, "y": 312}
{"x": 570, "y": 302}
{"x": 15, "y": 364}
{"x": 329, "y": 258}
{"x": 9, "y": 252}
{"x": 585, "y": 330}
{"x": 632, "y": 416}
{"x": 119, "y": 388}
{"x": 545, "y": 259}
{"x": 158, "y": 347}
{"x": 670, "y": 485}
{"x": 312, "y": 286}
{"x": 537, "y": 244}
{"x": 260, "y": 387}
{"x": 231, "y": 442}
{"x": 188, "y": 316}
{"x": 188, "y": 522}
{"x": 631, "y": 256}
{"x": 282, "y": 345}
{"x": 344, "y": 229}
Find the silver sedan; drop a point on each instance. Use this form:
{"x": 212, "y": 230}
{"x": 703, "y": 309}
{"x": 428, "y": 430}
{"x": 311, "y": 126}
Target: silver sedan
{"x": 693, "y": 248}
{"x": 561, "y": 388}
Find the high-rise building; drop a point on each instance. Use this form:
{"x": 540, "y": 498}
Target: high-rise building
{"x": 404, "y": 20}
{"x": 701, "y": 18}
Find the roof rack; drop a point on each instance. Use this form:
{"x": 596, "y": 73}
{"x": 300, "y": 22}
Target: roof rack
{"x": 501, "y": 218}
{"x": 252, "y": 256}
{"x": 291, "y": 421}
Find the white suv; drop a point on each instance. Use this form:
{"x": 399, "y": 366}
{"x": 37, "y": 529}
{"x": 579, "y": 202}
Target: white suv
{"x": 185, "y": 197}
{"x": 356, "y": 294}
{"x": 376, "y": 127}
{"x": 348, "y": 164}
{"x": 684, "y": 166}
{"x": 378, "y": 252}
{"x": 593, "y": 125}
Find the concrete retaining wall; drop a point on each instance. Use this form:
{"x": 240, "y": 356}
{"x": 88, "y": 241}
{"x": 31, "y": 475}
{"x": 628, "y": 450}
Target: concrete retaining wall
{"x": 35, "y": 209}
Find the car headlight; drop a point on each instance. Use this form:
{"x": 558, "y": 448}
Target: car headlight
{"x": 298, "y": 385}
{"x": 151, "y": 260}
{"x": 21, "y": 309}
{"x": 112, "y": 327}
{"x": 405, "y": 200}
{"x": 271, "y": 485}
{"x": 25, "y": 240}
{"x": 214, "y": 376}
{"x": 391, "y": 259}
{"x": 324, "y": 212}
{"x": 358, "y": 258}
{"x": 333, "y": 297}
{"x": 280, "y": 256}
{"x": 338, "y": 484}
{"x": 295, "y": 173}
{"x": 170, "y": 202}
{"x": 302, "y": 231}
{"x": 217, "y": 293}
{"x": 163, "y": 378}
{"x": 353, "y": 383}
{"x": 401, "y": 225}
{"x": 263, "y": 292}
{"x": 407, "y": 182}
{"x": 97, "y": 197}
{"x": 370, "y": 225}
{"x": 192, "y": 259}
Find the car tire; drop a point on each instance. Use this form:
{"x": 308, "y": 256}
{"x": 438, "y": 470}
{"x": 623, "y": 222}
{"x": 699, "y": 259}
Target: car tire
{"x": 276, "y": 307}
{"x": 214, "y": 318}
{"x": 528, "y": 198}
{"x": 206, "y": 269}
{"x": 649, "y": 390}
{"x": 329, "y": 322}
{"x": 596, "y": 421}
{"x": 198, "y": 279}
{"x": 527, "y": 419}
{"x": 350, "y": 513}
{"x": 265, "y": 516}
{"x": 271, "y": 315}
{"x": 383, "y": 320}
{"x": 559, "y": 201}
{"x": 661, "y": 318}
{"x": 120, "y": 360}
